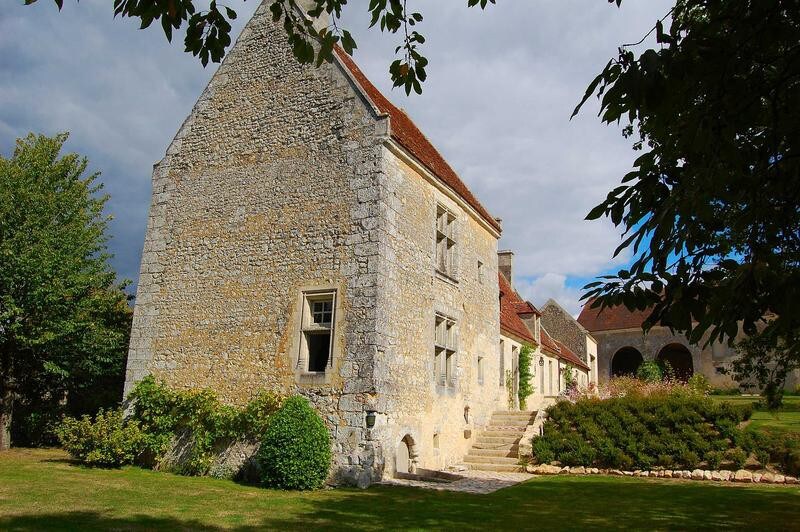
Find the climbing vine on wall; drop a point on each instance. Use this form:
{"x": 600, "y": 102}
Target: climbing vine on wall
{"x": 526, "y": 375}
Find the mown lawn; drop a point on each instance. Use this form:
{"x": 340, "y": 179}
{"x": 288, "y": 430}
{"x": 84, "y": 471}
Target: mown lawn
{"x": 42, "y": 490}
{"x": 787, "y": 419}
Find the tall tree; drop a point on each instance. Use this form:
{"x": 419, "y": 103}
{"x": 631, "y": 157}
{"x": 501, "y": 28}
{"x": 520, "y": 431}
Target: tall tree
{"x": 711, "y": 209}
{"x": 64, "y": 319}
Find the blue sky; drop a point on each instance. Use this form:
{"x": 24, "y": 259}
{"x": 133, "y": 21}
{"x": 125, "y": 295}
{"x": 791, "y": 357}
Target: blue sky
{"x": 502, "y": 85}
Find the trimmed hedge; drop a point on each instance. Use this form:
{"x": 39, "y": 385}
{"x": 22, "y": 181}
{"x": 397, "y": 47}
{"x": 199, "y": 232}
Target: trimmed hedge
{"x": 644, "y": 432}
{"x": 296, "y": 450}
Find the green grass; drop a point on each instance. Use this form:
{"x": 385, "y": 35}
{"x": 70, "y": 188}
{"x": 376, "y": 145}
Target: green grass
{"x": 786, "y": 419}
{"x": 790, "y": 402}
{"x": 42, "y": 490}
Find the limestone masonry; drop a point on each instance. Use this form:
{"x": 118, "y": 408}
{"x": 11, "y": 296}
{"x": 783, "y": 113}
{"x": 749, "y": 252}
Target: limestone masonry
{"x": 305, "y": 237}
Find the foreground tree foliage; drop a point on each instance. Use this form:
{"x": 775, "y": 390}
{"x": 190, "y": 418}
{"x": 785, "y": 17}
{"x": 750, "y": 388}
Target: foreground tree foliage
{"x": 208, "y": 32}
{"x": 64, "y": 318}
{"x": 711, "y": 209}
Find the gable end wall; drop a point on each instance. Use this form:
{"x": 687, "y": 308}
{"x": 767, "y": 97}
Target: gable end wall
{"x": 271, "y": 185}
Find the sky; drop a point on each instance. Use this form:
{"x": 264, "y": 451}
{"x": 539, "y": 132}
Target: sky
{"x": 501, "y": 86}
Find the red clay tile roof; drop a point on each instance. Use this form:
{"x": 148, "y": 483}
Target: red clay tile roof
{"x": 408, "y": 135}
{"x": 509, "y": 319}
{"x": 548, "y": 344}
{"x": 570, "y": 357}
{"x": 611, "y": 318}
{"x": 526, "y": 307}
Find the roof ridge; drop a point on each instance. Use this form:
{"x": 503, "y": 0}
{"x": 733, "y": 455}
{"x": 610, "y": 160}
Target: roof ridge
{"x": 408, "y": 135}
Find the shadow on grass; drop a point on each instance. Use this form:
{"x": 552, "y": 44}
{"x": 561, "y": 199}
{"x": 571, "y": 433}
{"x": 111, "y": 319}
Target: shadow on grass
{"x": 95, "y": 521}
{"x": 547, "y": 503}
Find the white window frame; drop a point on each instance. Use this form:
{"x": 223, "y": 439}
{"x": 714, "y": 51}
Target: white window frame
{"x": 309, "y": 326}
{"x": 501, "y": 363}
{"x": 445, "y": 350}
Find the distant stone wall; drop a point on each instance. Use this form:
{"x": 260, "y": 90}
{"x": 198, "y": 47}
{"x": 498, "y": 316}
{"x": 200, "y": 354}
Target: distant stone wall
{"x": 270, "y": 185}
{"x": 704, "y": 360}
{"x": 565, "y": 329}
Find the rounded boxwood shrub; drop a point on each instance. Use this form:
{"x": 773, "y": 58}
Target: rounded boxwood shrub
{"x": 295, "y": 451}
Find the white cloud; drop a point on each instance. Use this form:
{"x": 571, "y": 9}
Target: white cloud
{"x": 502, "y": 84}
{"x": 550, "y": 285}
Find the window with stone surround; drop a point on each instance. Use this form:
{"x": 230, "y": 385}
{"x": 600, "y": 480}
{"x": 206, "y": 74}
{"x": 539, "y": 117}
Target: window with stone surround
{"x": 444, "y": 351}
{"x": 480, "y": 272}
{"x": 480, "y": 370}
{"x": 445, "y": 242}
{"x": 316, "y": 340}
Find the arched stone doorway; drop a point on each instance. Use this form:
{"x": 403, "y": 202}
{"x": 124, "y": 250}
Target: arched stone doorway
{"x": 626, "y": 361}
{"x": 679, "y": 359}
{"x": 405, "y": 459}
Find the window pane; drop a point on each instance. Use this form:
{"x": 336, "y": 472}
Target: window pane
{"x": 450, "y": 368}
{"x": 319, "y": 345}
{"x": 322, "y": 312}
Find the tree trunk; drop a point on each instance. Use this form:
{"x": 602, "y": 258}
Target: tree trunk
{"x": 6, "y": 398}
{"x": 5, "y": 417}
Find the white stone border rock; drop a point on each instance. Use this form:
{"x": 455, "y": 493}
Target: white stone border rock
{"x": 742, "y": 475}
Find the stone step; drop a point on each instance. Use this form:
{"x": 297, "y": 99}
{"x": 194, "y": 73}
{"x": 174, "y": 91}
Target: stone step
{"x": 521, "y": 423}
{"x": 511, "y": 452}
{"x": 528, "y": 413}
{"x": 502, "y": 432}
{"x": 496, "y": 467}
{"x": 497, "y": 460}
{"x": 491, "y": 438}
{"x": 510, "y": 446}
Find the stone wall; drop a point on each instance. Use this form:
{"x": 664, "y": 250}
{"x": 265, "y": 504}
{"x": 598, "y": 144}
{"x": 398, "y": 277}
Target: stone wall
{"x": 704, "y": 360}
{"x": 563, "y": 327}
{"x": 413, "y": 404}
{"x": 269, "y": 186}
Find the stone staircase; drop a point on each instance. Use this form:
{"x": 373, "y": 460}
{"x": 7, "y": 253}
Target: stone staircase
{"x": 497, "y": 447}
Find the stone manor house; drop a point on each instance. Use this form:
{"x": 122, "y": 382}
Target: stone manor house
{"x": 305, "y": 237}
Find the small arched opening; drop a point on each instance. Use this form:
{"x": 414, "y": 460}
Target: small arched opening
{"x": 679, "y": 359}
{"x": 626, "y": 361}
{"x": 406, "y": 457}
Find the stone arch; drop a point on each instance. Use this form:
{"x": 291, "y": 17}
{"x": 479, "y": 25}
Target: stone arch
{"x": 626, "y": 361}
{"x": 679, "y": 358}
{"x": 405, "y": 457}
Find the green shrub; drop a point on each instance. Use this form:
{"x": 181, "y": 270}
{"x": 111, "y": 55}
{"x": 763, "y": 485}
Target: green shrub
{"x": 699, "y": 383}
{"x": 542, "y": 452}
{"x": 295, "y": 452}
{"x": 783, "y": 448}
{"x": 762, "y": 455}
{"x": 650, "y": 371}
{"x": 107, "y": 441}
{"x": 737, "y": 457}
{"x": 714, "y": 459}
{"x": 734, "y": 390}
{"x": 667, "y": 429}
{"x": 165, "y": 414}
